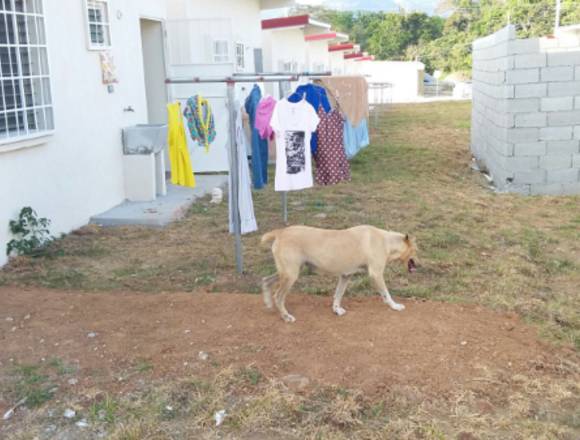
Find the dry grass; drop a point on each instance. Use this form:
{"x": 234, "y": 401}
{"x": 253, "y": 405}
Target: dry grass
{"x": 520, "y": 408}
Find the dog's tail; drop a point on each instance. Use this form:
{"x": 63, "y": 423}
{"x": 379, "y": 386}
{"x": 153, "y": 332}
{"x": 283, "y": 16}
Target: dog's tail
{"x": 270, "y": 236}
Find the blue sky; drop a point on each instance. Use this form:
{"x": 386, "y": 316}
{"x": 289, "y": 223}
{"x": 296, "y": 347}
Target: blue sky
{"x": 376, "y": 5}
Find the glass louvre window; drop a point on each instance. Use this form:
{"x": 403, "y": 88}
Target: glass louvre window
{"x": 25, "y": 96}
{"x": 99, "y": 27}
{"x": 240, "y": 56}
{"x": 220, "y": 51}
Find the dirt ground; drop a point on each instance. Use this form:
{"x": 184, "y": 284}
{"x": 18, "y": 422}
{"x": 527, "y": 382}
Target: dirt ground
{"x": 435, "y": 346}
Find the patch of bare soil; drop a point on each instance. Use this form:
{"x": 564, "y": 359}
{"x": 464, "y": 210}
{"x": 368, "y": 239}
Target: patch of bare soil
{"x": 435, "y": 346}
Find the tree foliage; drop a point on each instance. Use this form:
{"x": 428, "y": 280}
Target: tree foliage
{"x": 445, "y": 43}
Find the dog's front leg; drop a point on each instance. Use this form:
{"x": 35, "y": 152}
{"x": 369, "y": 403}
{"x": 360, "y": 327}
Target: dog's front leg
{"x": 338, "y": 294}
{"x": 377, "y": 279}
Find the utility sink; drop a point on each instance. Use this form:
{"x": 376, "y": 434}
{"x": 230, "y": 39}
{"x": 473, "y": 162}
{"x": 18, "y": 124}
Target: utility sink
{"x": 144, "y": 161}
{"x": 144, "y": 139}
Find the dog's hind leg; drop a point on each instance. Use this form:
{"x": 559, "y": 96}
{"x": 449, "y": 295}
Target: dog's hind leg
{"x": 376, "y": 276}
{"x": 286, "y": 283}
{"x": 340, "y": 289}
{"x": 267, "y": 284}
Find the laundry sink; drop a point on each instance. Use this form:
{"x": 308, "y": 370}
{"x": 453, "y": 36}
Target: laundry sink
{"x": 144, "y": 139}
{"x": 144, "y": 162}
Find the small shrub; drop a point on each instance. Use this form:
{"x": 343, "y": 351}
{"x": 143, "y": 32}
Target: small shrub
{"x": 31, "y": 234}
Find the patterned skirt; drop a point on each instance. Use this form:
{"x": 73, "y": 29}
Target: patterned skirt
{"x": 332, "y": 166}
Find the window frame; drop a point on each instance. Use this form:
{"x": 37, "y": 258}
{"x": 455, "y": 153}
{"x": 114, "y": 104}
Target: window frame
{"x": 30, "y": 137}
{"x": 240, "y": 49}
{"x": 220, "y": 58}
{"x": 107, "y": 25}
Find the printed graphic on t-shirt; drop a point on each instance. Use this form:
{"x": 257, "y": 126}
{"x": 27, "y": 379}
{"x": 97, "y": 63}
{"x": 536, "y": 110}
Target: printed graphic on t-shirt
{"x": 295, "y": 152}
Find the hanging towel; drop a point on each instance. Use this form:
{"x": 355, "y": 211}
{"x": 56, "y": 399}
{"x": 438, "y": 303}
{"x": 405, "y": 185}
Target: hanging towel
{"x": 352, "y": 94}
{"x": 200, "y": 121}
{"x": 315, "y": 96}
{"x": 246, "y": 205}
{"x": 181, "y": 171}
{"x": 332, "y": 167}
{"x": 355, "y": 137}
{"x": 263, "y": 117}
{"x": 259, "y": 145}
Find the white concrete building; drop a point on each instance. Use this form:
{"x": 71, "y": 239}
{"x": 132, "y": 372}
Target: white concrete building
{"x": 336, "y": 54}
{"x": 217, "y": 38}
{"x": 287, "y": 49}
{"x": 406, "y": 77}
{"x": 60, "y": 124}
{"x": 318, "y": 49}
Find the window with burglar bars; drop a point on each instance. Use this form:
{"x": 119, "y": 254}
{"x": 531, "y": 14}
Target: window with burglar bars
{"x": 240, "y": 56}
{"x": 98, "y": 24}
{"x": 25, "y": 105}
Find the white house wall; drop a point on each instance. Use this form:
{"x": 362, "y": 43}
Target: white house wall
{"x": 406, "y": 77}
{"x": 336, "y": 60}
{"x": 77, "y": 172}
{"x": 192, "y": 24}
{"x": 318, "y": 56}
{"x": 285, "y": 46}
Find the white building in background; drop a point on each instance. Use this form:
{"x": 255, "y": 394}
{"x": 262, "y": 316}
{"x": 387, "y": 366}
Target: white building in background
{"x": 318, "y": 49}
{"x": 287, "y": 49}
{"x": 406, "y": 77}
{"x": 217, "y": 38}
{"x": 336, "y": 52}
{"x": 70, "y": 86}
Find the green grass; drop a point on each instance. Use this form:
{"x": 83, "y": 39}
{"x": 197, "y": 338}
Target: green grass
{"x": 104, "y": 410}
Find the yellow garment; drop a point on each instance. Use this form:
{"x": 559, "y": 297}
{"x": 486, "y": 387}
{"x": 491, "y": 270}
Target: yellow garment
{"x": 181, "y": 171}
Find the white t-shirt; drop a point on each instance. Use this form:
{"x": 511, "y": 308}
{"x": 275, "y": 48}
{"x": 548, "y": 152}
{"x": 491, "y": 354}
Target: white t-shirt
{"x": 293, "y": 124}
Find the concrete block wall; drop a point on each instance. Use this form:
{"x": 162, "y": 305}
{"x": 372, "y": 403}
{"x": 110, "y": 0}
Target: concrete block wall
{"x": 526, "y": 112}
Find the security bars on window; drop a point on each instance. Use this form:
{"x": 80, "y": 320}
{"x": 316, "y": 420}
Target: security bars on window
{"x": 98, "y": 24}
{"x": 240, "y": 56}
{"x": 25, "y": 102}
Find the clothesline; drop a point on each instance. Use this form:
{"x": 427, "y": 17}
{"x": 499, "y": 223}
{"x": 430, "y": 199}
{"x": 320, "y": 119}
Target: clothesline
{"x": 231, "y": 81}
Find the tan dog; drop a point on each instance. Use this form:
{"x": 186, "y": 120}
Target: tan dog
{"x": 341, "y": 253}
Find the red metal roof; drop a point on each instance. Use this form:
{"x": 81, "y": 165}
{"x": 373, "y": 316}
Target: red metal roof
{"x": 318, "y": 37}
{"x": 296, "y": 20}
{"x": 342, "y": 46}
{"x": 350, "y": 56}
{"x": 365, "y": 58}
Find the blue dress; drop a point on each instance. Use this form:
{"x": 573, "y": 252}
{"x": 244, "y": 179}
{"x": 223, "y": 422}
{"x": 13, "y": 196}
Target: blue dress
{"x": 315, "y": 96}
{"x": 259, "y": 145}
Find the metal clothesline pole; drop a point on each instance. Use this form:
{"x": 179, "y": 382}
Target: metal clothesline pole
{"x": 231, "y": 82}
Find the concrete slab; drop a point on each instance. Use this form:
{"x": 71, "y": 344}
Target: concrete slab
{"x": 163, "y": 210}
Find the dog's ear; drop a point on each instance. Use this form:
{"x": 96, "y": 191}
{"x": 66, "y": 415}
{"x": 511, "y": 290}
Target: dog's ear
{"x": 407, "y": 239}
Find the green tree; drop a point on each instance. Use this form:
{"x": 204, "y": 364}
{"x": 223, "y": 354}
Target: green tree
{"x": 390, "y": 38}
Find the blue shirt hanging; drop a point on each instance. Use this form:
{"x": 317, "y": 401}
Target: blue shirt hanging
{"x": 259, "y": 145}
{"x": 315, "y": 96}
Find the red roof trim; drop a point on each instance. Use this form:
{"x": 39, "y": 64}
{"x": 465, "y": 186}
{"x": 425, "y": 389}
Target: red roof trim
{"x": 350, "y": 56}
{"x": 367, "y": 58}
{"x": 319, "y": 37}
{"x": 297, "y": 20}
{"x": 343, "y": 46}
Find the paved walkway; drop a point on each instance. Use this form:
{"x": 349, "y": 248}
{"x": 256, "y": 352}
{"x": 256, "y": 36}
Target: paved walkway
{"x": 163, "y": 210}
